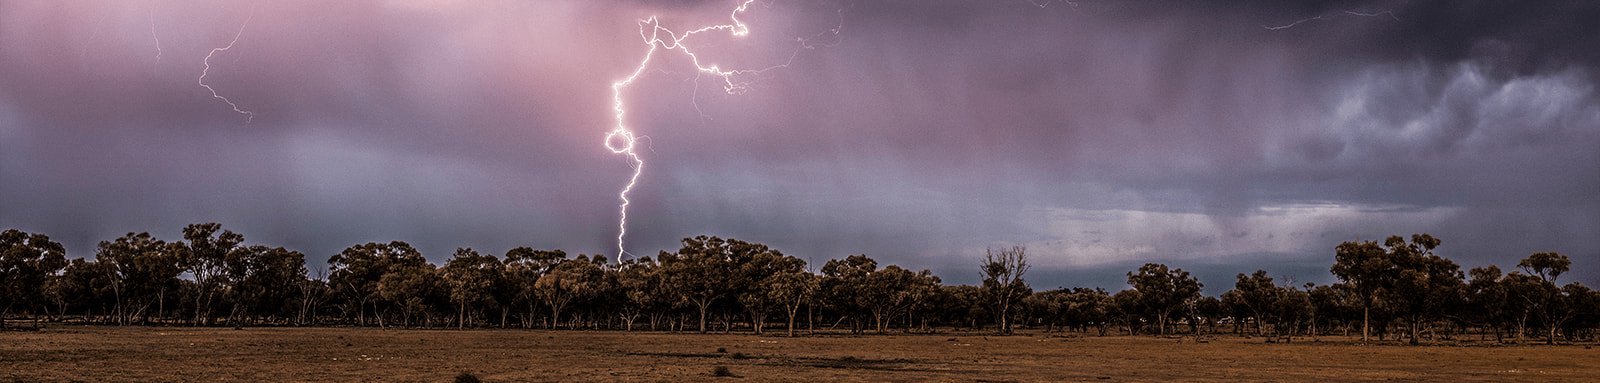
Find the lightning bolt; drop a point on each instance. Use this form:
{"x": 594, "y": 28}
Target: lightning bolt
{"x": 1327, "y": 17}
{"x": 622, "y": 140}
{"x": 153, "y": 36}
{"x": 95, "y": 33}
{"x": 249, "y": 116}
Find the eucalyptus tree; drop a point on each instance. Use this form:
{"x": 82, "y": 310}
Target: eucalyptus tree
{"x": 204, "y": 255}
{"x": 1003, "y": 282}
{"x": 27, "y": 263}
{"x": 752, "y": 264}
{"x": 357, "y": 271}
{"x": 1424, "y": 284}
{"x": 845, "y": 282}
{"x": 1366, "y": 268}
{"x": 570, "y": 280}
{"x": 790, "y": 289}
{"x": 471, "y": 278}
{"x": 524, "y": 266}
{"x": 264, "y": 281}
{"x": 141, "y": 271}
{"x": 1547, "y": 295}
{"x": 1259, "y": 295}
{"x": 1163, "y": 291}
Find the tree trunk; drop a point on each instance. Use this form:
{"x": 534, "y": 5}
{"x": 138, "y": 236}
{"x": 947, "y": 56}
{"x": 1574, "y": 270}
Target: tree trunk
{"x": 702, "y": 307}
{"x": 1366, "y": 312}
{"x": 792, "y": 310}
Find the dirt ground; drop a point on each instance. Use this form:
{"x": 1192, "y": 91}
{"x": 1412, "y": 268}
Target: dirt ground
{"x": 151, "y": 354}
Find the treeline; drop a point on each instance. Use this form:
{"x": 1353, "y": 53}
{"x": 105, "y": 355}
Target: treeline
{"x": 1397, "y": 289}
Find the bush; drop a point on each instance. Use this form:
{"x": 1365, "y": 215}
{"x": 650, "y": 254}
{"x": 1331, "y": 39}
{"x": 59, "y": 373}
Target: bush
{"x": 722, "y": 350}
{"x": 467, "y": 377}
{"x": 721, "y": 371}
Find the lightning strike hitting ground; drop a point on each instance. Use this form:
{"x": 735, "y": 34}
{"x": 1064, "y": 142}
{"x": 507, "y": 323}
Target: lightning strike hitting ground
{"x": 249, "y": 116}
{"x": 622, "y": 140}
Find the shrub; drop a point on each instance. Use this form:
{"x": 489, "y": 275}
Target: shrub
{"x": 467, "y": 377}
{"x": 721, "y": 371}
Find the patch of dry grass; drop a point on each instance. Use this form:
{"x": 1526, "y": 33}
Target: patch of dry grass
{"x": 364, "y": 354}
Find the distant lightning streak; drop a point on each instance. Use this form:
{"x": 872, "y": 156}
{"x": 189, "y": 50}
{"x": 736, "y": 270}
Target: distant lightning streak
{"x": 622, "y": 140}
{"x": 92, "y": 35}
{"x": 249, "y": 116}
{"x": 1327, "y": 17}
{"x": 153, "y": 36}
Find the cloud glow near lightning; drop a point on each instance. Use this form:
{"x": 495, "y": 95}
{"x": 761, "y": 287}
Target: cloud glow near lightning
{"x": 622, "y": 140}
{"x": 249, "y": 116}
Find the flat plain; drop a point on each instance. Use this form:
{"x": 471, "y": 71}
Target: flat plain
{"x": 177, "y": 354}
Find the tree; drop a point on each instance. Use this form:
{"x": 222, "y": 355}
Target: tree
{"x": 1548, "y": 297}
{"x": 571, "y": 280}
{"x": 524, "y": 266}
{"x": 843, "y": 283}
{"x": 695, "y": 273}
{"x": 790, "y": 289}
{"x": 1423, "y": 283}
{"x": 752, "y": 263}
{"x": 1163, "y": 291}
{"x": 27, "y": 262}
{"x": 639, "y": 281}
{"x": 413, "y": 287}
{"x": 1486, "y": 298}
{"x": 1367, "y": 269}
{"x": 264, "y": 280}
{"x": 358, "y": 270}
{"x": 1082, "y": 307}
{"x": 204, "y": 254}
{"x": 1258, "y": 294}
{"x": 471, "y": 278}
{"x": 1003, "y": 283}
{"x": 142, "y": 269}
{"x": 1211, "y": 309}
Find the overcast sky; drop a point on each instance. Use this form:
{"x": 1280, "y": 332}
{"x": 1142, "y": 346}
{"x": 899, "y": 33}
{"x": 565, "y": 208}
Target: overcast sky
{"x": 1220, "y": 137}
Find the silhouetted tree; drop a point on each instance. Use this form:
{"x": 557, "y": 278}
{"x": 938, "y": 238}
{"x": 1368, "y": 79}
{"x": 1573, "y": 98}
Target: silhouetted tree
{"x": 1367, "y": 269}
{"x": 1545, "y": 295}
{"x": 204, "y": 254}
{"x": 1423, "y": 284}
{"x": 142, "y": 270}
{"x": 1163, "y": 291}
{"x": 264, "y": 281}
{"x": 357, "y": 271}
{"x": 1003, "y": 283}
{"x": 27, "y": 262}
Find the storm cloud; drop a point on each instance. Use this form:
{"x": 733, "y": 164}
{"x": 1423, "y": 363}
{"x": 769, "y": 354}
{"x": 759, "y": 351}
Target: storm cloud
{"x": 1217, "y": 136}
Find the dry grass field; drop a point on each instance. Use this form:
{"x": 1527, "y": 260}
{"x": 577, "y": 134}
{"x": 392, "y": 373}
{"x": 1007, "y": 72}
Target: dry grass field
{"x": 147, "y": 354}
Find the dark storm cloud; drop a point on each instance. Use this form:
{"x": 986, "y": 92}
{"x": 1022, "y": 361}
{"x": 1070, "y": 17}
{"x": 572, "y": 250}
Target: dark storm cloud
{"x": 1101, "y": 135}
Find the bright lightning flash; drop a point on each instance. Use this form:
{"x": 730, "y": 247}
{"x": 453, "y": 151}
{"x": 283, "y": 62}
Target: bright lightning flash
{"x": 249, "y": 116}
{"x": 622, "y": 140}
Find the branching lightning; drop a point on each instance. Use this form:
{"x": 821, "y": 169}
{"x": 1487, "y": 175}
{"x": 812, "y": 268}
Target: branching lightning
{"x": 622, "y": 140}
{"x": 249, "y": 116}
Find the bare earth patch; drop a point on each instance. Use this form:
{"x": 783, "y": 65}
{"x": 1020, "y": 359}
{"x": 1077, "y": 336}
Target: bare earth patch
{"x": 365, "y": 354}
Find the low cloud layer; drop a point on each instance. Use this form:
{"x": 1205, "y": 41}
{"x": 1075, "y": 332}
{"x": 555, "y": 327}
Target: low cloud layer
{"x": 1100, "y": 135}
